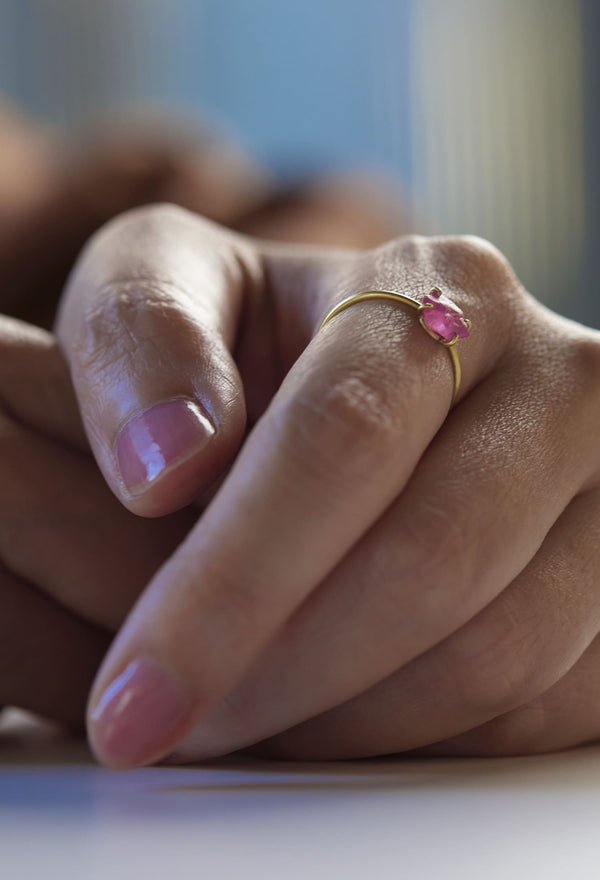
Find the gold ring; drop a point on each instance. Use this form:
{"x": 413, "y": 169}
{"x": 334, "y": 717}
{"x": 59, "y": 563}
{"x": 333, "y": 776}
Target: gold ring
{"x": 439, "y": 316}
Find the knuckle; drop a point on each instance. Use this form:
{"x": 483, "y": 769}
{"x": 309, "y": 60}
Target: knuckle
{"x": 497, "y": 678}
{"x": 483, "y": 274}
{"x": 584, "y": 356}
{"x": 355, "y": 417}
{"x": 490, "y": 291}
{"x": 473, "y": 269}
{"x": 404, "y": 249}
{"x": 489, "y": 688}
{"x": 467, "y": 260}
{"x": 474, "y": 260}
{"x": 439, "y": 557}
{"x": 360, "y": 409}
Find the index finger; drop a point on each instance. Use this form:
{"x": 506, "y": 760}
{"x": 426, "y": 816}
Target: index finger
{"x": 335, "y": 447}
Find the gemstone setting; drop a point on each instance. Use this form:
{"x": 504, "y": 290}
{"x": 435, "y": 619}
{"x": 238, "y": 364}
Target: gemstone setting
{"x": 442, "y": 318}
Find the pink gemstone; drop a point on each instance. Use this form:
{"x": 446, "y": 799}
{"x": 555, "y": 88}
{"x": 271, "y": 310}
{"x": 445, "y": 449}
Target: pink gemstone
{"x": 444, "y": 318}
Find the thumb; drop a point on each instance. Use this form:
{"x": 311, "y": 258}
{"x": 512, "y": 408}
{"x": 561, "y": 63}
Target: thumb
{"x": 148, "y": 321}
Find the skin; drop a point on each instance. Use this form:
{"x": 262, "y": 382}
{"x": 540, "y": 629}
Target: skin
{"x": 375, "y": 573}
{"x": 63, "y": 599}
{"x": 57, "y": 519}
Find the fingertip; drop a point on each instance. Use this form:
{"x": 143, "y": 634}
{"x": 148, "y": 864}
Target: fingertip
{"x": 138, "y": 717}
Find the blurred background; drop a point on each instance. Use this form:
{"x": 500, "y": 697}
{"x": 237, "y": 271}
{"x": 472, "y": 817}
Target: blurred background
{"x": 483, "y": 115}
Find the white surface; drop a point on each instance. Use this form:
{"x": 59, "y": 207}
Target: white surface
{"x": 524, "y": 818}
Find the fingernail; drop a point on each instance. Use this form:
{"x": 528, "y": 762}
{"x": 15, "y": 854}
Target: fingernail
{"x": 158, "y": 438}
{"x": 137, "y": 715}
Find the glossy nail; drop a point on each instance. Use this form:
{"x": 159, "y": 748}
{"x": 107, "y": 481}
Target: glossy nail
{"x": 157, "y": 439}
{"x": 138, "y": 715}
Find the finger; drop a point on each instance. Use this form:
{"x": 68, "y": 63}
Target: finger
{"x": 148, "y": 322}
{"x": 48, "y": 657}
{"x": 336, "y": 446}
{"x": 517, "y": 648}
{"x": 63, "y": 530}
{"x": 35, "y": 385}
{"x": 438, "y": 555}
{"x": 565, "y": 716}
{"x": 57, "y": 516}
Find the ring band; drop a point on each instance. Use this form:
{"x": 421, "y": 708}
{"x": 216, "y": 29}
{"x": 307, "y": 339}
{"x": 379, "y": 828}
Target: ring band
{"x": 439, "y": 316}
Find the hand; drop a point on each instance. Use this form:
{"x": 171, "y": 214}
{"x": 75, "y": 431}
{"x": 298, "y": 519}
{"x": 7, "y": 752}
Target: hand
{"x": 72, "y": 559}
{"x": 52, "y": 196}
{"x": 376, "y": 573}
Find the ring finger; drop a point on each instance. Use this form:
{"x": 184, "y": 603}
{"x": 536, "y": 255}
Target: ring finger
{"x": 516, "y": 677}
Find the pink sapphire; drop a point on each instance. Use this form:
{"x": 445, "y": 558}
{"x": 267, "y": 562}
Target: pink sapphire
{"x": 443, "y": 318}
